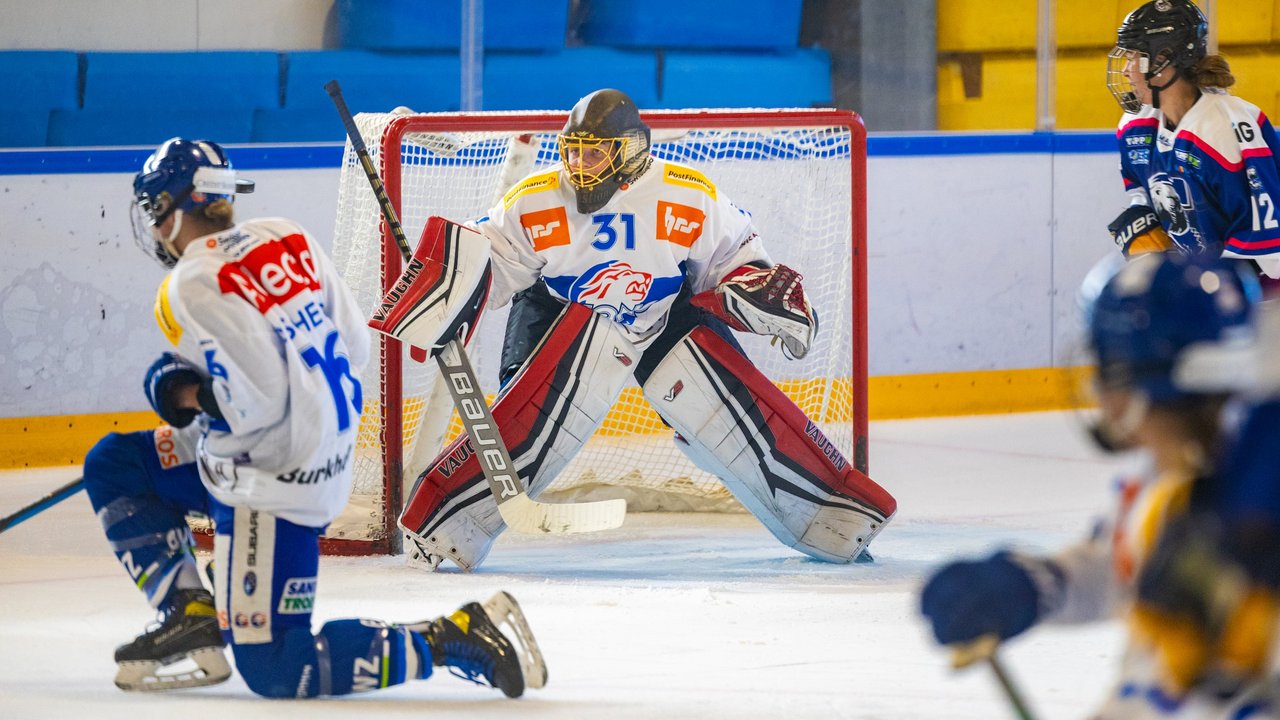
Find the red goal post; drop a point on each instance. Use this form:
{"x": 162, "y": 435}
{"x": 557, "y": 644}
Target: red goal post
{"x": 802, "y": 175}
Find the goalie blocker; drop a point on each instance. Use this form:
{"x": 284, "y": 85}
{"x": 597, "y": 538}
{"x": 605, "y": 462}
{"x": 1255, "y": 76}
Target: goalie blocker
{"x": 730, "y": 419}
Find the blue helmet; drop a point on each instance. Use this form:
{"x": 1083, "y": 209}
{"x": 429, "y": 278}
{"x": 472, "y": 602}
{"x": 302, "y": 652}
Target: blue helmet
{"x": 1172, "y": 325}
{"x": 181, "y": 175}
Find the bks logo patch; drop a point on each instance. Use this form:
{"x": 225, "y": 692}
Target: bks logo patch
{"x": 679, "y": 224}
{"x": 546, "y": 228}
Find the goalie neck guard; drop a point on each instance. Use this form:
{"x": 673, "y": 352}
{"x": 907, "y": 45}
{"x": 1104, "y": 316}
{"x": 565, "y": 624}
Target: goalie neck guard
{"x": 179, "y": 177}
{"x": 604, "y": 145}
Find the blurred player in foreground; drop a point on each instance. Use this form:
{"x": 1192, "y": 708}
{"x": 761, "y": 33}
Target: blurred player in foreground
{"x": 1199, "y": 164}
{"x": 625, "y": 266}
{"x": 1174, "y": 342}
{"x": 262, "y": 401}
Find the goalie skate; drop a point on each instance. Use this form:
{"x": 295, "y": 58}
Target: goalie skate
{"x": 184, "y": 651}
{"x": 472, "y": 644}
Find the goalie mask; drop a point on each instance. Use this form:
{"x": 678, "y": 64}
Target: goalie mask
{"x": 179, "y": 177}
{"x": 604, "y": 145}
{"x": 1159, "y": 34}
{"x": 1170, "y": 328}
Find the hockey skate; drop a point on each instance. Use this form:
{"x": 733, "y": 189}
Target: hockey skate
{"x": 471, "y": 643}
{"x": 185, "y": 650}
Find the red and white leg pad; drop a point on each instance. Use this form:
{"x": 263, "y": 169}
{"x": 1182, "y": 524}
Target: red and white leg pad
{"x": 739, "y": 426}
{"x": 554, "y": 404}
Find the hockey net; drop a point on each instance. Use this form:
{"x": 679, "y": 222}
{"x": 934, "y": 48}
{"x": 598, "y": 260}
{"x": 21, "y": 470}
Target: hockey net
{"x": 800, "y": 173}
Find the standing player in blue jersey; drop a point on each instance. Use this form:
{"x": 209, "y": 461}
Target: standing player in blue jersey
{"x": 1199, "y": 164}
{"x": 262, "y": 401}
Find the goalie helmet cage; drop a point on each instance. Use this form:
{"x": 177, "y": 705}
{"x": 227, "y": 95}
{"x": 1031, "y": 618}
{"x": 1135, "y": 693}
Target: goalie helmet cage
{"x": 800, "y": 173}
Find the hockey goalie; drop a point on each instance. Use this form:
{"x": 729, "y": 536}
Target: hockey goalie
{"x": 622, "y": 266}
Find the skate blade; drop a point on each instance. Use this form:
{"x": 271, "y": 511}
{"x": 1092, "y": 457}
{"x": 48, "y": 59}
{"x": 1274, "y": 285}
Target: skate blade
{"x": 199, "y": 668}
{"x": 505, "y": 612}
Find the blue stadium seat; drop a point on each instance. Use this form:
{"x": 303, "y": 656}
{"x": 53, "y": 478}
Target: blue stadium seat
{"x": 34, "y": 82}
{"x": 709, "y": 24}
{"x": 417, "y": 25}
{"x": 204, "y": 80}
{"x": 128, "y": 126}
{"x": 555, "y": 81}
{"x": 272, "y": 125}
{"x": 798, "y": 79}
{"x": 372, "y": 82}
{"x": 145, "y": 98}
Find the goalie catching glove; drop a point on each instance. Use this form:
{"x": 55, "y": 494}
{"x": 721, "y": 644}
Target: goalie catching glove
{"x": 1138, "y": 231}
{"x": 764, "y": 301}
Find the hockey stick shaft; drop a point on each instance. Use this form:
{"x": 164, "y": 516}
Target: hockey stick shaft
{"x": 42, "y": 504}
{"x": 984, "y": 649}
{"x": 519, "y": 511}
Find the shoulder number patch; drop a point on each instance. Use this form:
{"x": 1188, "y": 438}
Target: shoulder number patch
{"x": 688, "y": 177}
{"x": 549, "y": 180}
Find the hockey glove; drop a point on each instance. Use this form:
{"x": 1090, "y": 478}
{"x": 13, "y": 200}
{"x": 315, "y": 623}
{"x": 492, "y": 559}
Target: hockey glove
{"x": 764, "y": 301}
{"x": 1206, "y": 616}
{"x": 165, "y": 378}
{"x": 1001, "y": 595}
{"x": 1138, "y": 231}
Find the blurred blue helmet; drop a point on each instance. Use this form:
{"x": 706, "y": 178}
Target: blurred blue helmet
{"x": 179, "y": 177}
{"x": 1172, "y": 325}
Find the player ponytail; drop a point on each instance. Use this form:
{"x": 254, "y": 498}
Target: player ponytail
{"x": 1211, "y": 71}
{"x": 219, "y": 213}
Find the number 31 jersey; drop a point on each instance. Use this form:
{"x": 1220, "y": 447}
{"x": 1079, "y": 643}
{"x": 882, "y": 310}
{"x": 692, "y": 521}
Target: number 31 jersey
{"x": 628, "y": 260}
{"x": 261, "y": 309}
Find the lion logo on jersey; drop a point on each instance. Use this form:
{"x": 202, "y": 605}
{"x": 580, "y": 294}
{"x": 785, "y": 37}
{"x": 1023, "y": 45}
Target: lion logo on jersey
{"x": 616, "y": 290}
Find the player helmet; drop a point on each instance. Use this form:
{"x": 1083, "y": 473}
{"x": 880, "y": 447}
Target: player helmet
{"x": 604, "y": 145}
{"x": 1171, "y": 326}
{"x": 180, "y": 176}
{"x": 1159, "y": 34}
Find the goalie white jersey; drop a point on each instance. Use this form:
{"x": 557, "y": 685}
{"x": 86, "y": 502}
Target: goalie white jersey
{"x": 260, "y": 307}
{"x": 627, "y": 261}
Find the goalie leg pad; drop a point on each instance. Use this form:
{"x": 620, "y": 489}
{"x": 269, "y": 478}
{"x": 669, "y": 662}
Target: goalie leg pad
{"x": 442, "y": 292}
{"x": 545, "y": 415}
{"x": 737, "y": 425}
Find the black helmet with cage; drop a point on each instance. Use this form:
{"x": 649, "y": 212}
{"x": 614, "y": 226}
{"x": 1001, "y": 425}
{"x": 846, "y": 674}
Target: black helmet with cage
{"x": 609, "y": 122}
{"x": 1159, "y": 34}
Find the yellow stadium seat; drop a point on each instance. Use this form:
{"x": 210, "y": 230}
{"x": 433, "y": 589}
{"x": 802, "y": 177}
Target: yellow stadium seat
{"x": 977, "y": 25}
{"x": 1245, "y": 22}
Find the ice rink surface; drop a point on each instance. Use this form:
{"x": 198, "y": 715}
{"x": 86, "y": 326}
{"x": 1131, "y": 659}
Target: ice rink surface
{"x": 671, "y": 616}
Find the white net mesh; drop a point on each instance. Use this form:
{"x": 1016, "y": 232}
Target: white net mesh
{"x": 796, "y": 180}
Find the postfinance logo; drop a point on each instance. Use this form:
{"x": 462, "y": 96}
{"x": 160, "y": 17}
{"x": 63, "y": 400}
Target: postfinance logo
{"x": 546, "y": 228}
{"x": 679, "y": 224}
{"x": 688, "y": 177}
{"x": 549, "y": 180}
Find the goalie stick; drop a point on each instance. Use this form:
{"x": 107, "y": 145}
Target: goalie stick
{"x": 518, "y": 510}
{"x": 42, "y": 504}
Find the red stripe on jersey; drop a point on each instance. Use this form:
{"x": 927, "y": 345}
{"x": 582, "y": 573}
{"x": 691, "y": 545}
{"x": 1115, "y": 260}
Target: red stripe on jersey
{"x": 272, "y": 273}
{"x": 1211, "y": 152}
{"x": 1263, "y": 151}
{"x": 1135, "y": 123}
{"x": 1253, "y": 245}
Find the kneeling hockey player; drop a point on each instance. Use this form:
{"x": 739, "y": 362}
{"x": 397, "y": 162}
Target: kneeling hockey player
{"x": 262, "y": 400}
